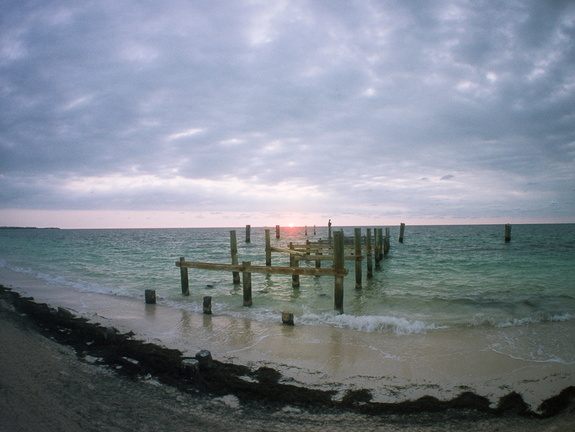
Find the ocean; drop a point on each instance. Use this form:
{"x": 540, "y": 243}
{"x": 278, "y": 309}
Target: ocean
{"x": 513, "y": 302}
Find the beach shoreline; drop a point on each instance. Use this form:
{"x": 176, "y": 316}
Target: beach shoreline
{"x": 261, "y": 389}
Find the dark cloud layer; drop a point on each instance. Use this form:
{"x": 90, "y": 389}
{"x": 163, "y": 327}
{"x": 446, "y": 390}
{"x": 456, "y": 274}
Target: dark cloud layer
{"x": 377, "y": 109}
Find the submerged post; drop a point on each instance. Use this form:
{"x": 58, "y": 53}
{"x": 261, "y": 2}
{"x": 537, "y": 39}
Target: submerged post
{"x": 507, "y": 233}
{"x": 268, "y": 248}
{"x": 184, "y": 277}
{"x": 234, "y": 250}
{"x": 386, "y": 242}
{"x": 338, "y": 264}
{"x": 368, "y": 253}
{"x": 207, "y": 306}
{"x": 248, "y": 233}
{"x": 357, "y": 244}
{"x": 247, "y": 284}
{"x": 401, "y": 232}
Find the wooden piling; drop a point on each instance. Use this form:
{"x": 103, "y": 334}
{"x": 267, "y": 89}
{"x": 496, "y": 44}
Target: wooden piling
{"x": 378, "y": 247}
{"x": 318, "y": 261}
{"x": 386, "y": 242}
{"x": 305, "y": 230}
{"x": 287, "y": 318}
{"x": 150, "y": 296}
{"x": 338, "y": 264}
{"x": 314, "y": 230}
{"x": 185, "y": 280}
{"x": 368, "y": 253}
{"x": 234, "y": 252}
{"x": 248, "y": 233}
{"x": 207, "y": 305}
{"x": 268, "y": 248}
{"x": 329, "y": 230}
{"x": 277, "y": 231}
{"x": 357, "y": 244}
{"x": 247, "y": 284}
{"x": 293, "y": 262}
{"x": 507, "y": 233}
{"x": 401, "y": 232}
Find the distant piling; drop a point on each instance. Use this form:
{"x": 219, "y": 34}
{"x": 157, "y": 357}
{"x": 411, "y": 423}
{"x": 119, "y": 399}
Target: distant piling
{"x": 248, "y": 233}
{"x": 507, "y": 233}
{"x": 401, "y": 232}
{"x": 386, "y": 242}
{"x": 184, "y": 277}
{"x": 277, "y": 231}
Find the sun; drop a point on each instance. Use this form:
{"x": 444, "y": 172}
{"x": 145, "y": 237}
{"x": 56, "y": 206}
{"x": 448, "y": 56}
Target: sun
{"x": 290, "y": 224}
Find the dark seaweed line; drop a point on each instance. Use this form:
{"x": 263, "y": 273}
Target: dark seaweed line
{"x": 137, "y": 359}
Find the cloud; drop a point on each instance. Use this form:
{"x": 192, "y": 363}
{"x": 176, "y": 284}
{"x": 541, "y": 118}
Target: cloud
{"x": 321, "y": 107}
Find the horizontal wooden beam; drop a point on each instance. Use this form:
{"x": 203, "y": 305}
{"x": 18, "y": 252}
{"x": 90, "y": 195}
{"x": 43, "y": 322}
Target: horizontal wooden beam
{"x": 302, "y": 271}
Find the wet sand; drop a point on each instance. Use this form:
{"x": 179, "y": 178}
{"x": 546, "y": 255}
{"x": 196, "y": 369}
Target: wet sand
{"x": 45, "y": 386}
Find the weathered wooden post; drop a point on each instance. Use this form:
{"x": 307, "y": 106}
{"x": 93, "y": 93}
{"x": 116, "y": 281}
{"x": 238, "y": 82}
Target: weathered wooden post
{"x": 268, "y": 248}
{"x": 358, "y": 259}
{"x": 287, "y": 318}
{"x": 234, "y": 250}
{"x": 329, "y": 230}
{"x": 293, "y": 262}
{"x": 305, "y": 230}
{"x": 507, "y": 233}
{"x": 368, "y": 253}
{"x": 248, "y": 233}
{"x": 150, "y": 296}
{"x": 378, "y": 247}
{"x": 207, "y": 305}
{"x": 247, "y": 284}
{"x": 401, "y": 232}
{"x": 314, "y": 230}
{"x": 386, "y": 242}
{"x": 338, "y": 264}
{"x": 184, "y": 277}
{"x": 277, "y": 231}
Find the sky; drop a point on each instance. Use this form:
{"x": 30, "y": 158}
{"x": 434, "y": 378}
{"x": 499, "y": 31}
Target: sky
{"x": 190, "y": 113}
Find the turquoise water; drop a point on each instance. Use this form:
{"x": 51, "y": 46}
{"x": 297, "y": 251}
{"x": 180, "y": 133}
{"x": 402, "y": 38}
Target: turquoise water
{"x": 441, "y": 276}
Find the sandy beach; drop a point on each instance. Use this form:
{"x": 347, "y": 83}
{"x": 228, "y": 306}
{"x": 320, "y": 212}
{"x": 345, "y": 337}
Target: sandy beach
{"x": 45, "y": 385}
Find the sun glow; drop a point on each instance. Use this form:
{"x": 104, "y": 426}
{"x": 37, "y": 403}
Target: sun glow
{"x": 291, "y": 225}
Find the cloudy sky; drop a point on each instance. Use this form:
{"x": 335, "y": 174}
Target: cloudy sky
{"x": 224, "y": 113}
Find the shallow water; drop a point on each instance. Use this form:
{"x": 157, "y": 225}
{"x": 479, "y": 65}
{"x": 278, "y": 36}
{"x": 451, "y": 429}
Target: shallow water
{"x": 452, "y": 308}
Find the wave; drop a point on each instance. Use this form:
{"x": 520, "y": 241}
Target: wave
{"x": 397, "y": 325}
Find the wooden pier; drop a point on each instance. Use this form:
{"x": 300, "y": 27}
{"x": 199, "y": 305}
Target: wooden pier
{"x": 336, "y": 249}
